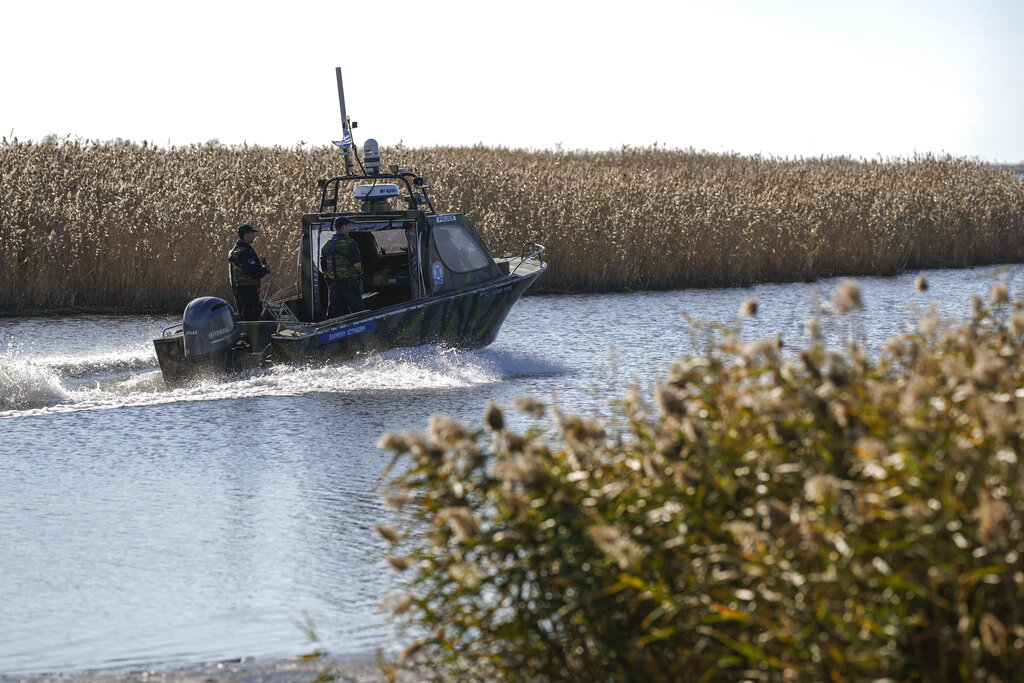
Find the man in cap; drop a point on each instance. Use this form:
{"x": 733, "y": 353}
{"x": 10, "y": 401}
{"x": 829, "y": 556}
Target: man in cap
{"x": 342, "y": 265}
{"x": 245, "y": 269}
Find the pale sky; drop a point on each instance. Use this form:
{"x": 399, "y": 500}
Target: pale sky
{"x": 790, "y": 78}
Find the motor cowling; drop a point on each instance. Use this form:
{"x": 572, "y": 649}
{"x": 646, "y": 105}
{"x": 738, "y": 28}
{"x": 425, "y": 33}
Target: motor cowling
{"x": 209, "y": 327}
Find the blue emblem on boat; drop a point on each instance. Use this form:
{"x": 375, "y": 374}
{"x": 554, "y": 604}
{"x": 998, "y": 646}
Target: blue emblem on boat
{"x": 347, "y": 331}
{"x": 438, "y": 273}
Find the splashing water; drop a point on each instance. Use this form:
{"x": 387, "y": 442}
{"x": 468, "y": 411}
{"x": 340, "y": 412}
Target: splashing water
{"x": 24, "y": 385}
{"x": 32, "y": 385}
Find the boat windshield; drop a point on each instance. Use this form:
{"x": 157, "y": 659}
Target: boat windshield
{"x": 459, "y": 250}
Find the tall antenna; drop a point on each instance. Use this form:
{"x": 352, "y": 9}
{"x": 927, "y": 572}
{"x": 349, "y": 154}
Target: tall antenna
{"x": 346, "y": 127}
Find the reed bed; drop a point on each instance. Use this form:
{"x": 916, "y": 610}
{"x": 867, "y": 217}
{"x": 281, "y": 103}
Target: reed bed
{"x": 802, "y": 515}
{"x": 134, "y": 227}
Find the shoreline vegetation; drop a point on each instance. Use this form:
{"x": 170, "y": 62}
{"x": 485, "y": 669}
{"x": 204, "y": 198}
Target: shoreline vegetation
{"x": 807, "y": 514}
{"x": 131, "y": 228}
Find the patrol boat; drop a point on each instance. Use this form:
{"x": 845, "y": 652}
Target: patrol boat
{"x": 428, "y": 278}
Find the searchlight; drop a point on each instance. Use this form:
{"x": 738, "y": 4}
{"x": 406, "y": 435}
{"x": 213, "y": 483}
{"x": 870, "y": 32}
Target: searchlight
{"x": 371, "y": 157}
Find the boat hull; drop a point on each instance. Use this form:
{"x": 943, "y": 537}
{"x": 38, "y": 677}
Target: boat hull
{"x": 463, "y": 320}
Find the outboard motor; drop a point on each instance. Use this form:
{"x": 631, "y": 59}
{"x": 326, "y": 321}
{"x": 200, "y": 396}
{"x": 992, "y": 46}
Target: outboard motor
{"x": 209, "y": 327}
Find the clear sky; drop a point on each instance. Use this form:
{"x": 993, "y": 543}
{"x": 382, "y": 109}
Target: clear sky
{"x": 786, "y": 78}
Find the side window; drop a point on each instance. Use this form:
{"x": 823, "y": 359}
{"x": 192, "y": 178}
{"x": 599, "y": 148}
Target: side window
{"x": 391, "y": 241}
{"x": 322, "y": 238}
{"x": 457, "y": 248}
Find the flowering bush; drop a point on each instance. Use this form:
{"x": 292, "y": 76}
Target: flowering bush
{"x": 801, "y": 515}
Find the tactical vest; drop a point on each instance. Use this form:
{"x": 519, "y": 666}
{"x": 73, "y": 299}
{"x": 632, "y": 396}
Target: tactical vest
{"x": 239, "y": 256}
{"x": 334, "y": 260}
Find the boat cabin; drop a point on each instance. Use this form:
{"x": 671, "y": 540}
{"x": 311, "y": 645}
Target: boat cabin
{"x": 407, "y": 254}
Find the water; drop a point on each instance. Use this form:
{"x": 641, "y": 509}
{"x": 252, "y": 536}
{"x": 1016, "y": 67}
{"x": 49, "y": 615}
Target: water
{"x": 147, "y": 528}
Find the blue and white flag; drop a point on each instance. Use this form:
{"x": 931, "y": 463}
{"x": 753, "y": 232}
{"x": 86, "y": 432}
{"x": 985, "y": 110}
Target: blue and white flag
{"x": 345, "y": 141}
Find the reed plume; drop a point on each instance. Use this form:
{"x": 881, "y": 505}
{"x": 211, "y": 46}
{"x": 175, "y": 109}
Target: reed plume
{"x": 132, "y": 227}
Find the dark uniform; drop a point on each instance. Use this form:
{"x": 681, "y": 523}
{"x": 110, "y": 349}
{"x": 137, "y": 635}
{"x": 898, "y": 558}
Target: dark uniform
{"x": 245, "y": 269}
{"x": 336, "y": 261}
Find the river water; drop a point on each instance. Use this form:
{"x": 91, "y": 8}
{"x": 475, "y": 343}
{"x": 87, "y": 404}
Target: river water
{"x": 142, "y": 527}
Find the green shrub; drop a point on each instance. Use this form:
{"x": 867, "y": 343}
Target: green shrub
{"x": 802, "y": 515}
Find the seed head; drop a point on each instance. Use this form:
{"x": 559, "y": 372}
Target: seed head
{"x": 461, "y": 520}
{"x": 399, "y": 563}
{"x": 993, "y": 634}
{"x": 814, "y": 330}
{"x": 397, "y": 498}
{"x": 1016, "y": 324}
{"x": 929, "y": 321}
{"x": 749, "y": 308}
{"x": 766, "y": 347}
{"x": 847, "y": 297}
{"x": 821, "y": 487}
{"x": 999, "y": 294}
{"x": 992, "y": 515}
{"x": 391, "y": 441}
{"x": 530, "y": 406}
{"x": 396, "y": 604}
{"x": 465, "y": 573}
{"x": 613, "y": 543}
{"x": 494, "y": 418}
{"x": 445, "y": 430}
{"x": 527, "y": 471}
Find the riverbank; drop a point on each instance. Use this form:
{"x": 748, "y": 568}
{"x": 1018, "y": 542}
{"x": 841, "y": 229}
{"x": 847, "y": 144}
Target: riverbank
{"x": 347, "y": 670}
{"x": 138, "y": 228}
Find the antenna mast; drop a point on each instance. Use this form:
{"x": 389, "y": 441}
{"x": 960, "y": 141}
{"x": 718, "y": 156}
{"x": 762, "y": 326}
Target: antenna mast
{"x": 346, "y": 127}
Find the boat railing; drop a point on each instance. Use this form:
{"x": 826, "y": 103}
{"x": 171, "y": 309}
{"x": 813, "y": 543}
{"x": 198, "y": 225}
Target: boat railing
{"x": 537, "y": 253}
{"x": 284, "y": 315}
{"x": 173, "y": 330}
{"x": 330, "y": 188}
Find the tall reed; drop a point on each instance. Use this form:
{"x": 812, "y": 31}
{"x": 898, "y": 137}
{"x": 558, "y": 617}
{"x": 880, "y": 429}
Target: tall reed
{"x": 134, "y": 227}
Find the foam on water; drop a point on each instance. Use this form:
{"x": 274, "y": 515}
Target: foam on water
{"x": 47, "y": 385}
{"x": 33, "y": 382}
{"x": 24, "y": 384}
{"x": 99, "y": 363}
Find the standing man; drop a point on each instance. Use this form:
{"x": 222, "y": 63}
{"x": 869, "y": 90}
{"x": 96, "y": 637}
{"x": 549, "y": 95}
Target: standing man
{"x": 342, "y": 265}
{"x": 245, "y": 270}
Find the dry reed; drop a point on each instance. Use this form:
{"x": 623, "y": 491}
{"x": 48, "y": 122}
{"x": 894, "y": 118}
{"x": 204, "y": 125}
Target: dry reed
{"x": 134, "y": 227}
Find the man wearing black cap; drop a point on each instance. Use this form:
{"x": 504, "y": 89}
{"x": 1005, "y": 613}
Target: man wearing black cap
{"x": 342, "y": 265}
{"x": 245, "y": 270}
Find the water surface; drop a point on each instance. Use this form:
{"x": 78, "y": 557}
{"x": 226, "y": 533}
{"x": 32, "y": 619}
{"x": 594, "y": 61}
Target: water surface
{"x": 142, "y": 527}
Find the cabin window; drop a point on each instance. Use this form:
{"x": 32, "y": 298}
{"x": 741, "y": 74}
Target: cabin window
{"x": 457, "y": 248}
{"x": 391, "y": 241}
